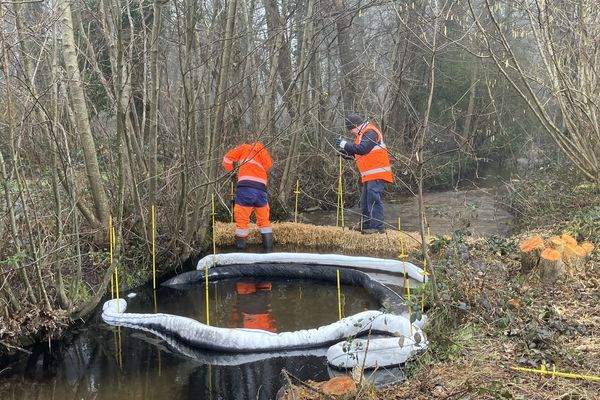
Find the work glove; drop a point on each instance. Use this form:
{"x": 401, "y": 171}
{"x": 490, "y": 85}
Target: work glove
{"x": 340, "y": 143}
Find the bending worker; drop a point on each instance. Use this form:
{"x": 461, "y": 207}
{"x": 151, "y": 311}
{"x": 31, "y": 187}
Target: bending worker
{"x": 254, "y": 162}
{"x": 372, "y": 160}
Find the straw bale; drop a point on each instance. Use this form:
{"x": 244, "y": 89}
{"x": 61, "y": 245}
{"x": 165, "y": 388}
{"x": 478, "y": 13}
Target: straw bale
{"x": 324, "y": 237}
{"x": 530, "y": 253}
{"x": 551, "y": 266}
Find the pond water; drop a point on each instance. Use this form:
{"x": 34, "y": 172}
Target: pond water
{"x": 103, "y": 362}
{"x": 99, "y": 361}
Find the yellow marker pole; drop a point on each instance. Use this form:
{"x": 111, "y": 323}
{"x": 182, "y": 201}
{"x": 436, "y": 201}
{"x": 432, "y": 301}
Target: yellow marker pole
{"x": 423, "y": 292}
{"x": 339, "y": 293}
{"x": 337, "y": 211}
{"x": 296, "y": 208}
{"x": 232, "y": 200}
{"x": 214, "y": 260}
{"x": 340, "y": 202}
{"x": 116, "y": 269}
{"x": 556, "y": 373}
{"x": 409, "y": 306}
{"x": 120, "y": 353}
{"x": 159, "y": 363}
{"x": 402, "y": 254}
{"x": 110, "y": 246}
{"x": 341, "y": 193}
{"x": 153, "y": 250}
{"x": 405, "y": 278}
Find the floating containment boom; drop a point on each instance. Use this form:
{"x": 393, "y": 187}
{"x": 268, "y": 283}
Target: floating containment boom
{"x": 370, "y": 338}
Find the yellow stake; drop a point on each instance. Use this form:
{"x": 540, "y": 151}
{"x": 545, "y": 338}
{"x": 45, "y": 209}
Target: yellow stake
{"x": 213, "y": 227}
{"x": 405, "y": 278}
{"x": 409, "y": 306}
{"x": 116, "y": 271}
{"x": 232, "y": 200}
{"x": 402, "y": 255}
{"x": 555, "y": 373}
{"x": 110, "y": 246}
{"x": 340, "y": 201}
{"x": 153, "y": 250}
{"x": 214, "y": 260}
{"x": 297, "y": 193}
{"x": 120, "y": 360}
{"x": 423, "y": 292}
{"x": 339, "y": 292}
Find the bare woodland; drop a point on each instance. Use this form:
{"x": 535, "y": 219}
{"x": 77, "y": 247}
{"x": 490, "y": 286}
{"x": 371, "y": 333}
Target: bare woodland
{"x": 110, "y": 107}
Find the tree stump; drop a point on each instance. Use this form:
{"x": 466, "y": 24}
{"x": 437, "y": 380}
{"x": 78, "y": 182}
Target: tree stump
{"x": 556, "y": 243}
{"x": 574, "y": 257}
{"x": 588, "y": 247}
{"x": 531, "y": 249}
{"x": 568, "y": 239}
{"x": 551, "y": 266}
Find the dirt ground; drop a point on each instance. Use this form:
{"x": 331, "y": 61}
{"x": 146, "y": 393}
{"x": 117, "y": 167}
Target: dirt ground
{"x": 492, "y": 318}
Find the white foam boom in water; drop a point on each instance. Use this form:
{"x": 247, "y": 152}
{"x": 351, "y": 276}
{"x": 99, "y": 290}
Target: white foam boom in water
{"x": 405, "y": 341}
{"x": 378, "y": 264}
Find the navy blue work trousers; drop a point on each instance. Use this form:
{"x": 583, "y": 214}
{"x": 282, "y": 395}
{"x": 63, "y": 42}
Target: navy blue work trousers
{"x": 371, "y": 205}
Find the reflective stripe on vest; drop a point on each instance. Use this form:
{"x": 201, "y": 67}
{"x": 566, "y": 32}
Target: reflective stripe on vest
{"x": 375, "y": 171}
{"x": 253, "y": 162}
{"x": 376, "y": 163}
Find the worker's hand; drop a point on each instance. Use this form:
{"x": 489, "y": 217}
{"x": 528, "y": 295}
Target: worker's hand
{"x": 340, "y": 143}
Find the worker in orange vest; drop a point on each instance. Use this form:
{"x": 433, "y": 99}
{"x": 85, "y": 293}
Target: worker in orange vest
{"x": 253, "y": 162}
{"x": 371, "y": 156}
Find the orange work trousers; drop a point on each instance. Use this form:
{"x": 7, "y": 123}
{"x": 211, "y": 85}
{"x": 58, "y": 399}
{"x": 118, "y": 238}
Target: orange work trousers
{"x": 241, "y": 215}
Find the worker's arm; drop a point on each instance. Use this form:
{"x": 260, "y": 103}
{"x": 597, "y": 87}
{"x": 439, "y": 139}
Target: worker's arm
{"x": 231, "y": 157}
{"x": 265, "y": 159}
{"x": 368, "y": 141}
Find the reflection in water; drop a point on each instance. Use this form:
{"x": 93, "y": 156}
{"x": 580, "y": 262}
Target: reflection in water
{"x": 99, "y": 363}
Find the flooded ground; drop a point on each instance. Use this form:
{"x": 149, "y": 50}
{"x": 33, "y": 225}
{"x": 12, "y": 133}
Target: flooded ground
{"x": 103, "y": 362}
{"x": 475, "y": 210}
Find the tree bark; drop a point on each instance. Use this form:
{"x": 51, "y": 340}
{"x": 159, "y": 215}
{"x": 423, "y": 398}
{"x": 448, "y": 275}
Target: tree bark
{"x": 81, "y": 114}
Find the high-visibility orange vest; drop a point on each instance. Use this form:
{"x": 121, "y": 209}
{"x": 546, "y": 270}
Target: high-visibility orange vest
{"x": 376, "y": 163}
{"x": 254, "y": 162}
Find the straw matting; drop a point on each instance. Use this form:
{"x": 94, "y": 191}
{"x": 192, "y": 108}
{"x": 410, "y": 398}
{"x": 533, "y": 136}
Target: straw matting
{"x": 326, "y": 237}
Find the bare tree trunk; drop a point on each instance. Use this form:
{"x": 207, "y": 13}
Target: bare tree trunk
{"x": 81, "y": 114}
{"x": 348, "y": 59}
{"x": 285, "y": 186}
{"x": 5, "y": 176}
{"x": 420, "y": 160}
{"x": 153, "y": 101}
{"x": 276, "y": 31}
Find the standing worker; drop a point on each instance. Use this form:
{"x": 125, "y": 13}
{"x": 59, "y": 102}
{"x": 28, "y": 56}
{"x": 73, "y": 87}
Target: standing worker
{"x": 373, "y": 162}
{"x": 253, "y": 162}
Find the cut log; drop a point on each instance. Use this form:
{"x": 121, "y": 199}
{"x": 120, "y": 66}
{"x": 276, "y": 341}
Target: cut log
{"x": 551, "y": 266}
{"x": 530, "y": 253}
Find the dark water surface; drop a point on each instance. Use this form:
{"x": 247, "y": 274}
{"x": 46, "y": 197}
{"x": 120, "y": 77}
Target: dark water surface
{"x": 104, "y": 362}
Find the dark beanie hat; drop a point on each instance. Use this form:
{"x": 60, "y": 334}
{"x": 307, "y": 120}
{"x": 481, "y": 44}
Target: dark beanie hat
{"x": 353, "y": 120}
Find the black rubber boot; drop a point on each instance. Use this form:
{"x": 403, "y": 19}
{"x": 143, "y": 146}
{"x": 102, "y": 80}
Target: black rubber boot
{"x": 240, "y": 243}
{"x": 267, "y": 242}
